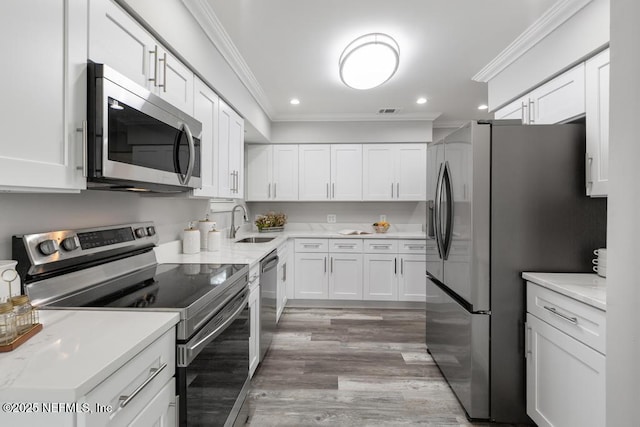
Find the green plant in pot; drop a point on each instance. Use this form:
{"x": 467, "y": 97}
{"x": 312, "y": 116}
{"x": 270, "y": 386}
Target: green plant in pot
{"x": 271, "y": 221}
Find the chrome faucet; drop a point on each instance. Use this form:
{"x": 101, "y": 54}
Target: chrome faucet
{"x": 233, "y": 229}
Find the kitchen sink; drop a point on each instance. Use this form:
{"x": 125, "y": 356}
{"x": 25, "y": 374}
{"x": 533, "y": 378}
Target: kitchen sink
{"x": 255, "y": 240}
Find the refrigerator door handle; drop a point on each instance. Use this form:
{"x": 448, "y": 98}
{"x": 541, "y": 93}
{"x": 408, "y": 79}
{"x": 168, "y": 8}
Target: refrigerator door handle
{"x": 438, "y": 213}
{"x": 448, "y": 238}
{"x": 430, "y": 219}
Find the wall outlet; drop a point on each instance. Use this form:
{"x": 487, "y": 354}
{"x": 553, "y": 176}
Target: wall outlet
{"x": 331, "y": 219}
{"x": 383, "y": 218}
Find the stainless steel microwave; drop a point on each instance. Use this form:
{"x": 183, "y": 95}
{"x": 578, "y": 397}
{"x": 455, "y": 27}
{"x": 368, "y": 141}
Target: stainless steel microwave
{"x": 136, "y": 140}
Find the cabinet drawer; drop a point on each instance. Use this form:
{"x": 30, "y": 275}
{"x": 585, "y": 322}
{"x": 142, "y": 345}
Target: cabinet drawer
{"x": 312, "y": 245}
{"x": 581, "y": 321}
{"x": 413, "y": 246}
{"x": 345, "y": 245}
{"x": 141, "y": 378}
{"x": 374, "y": 246}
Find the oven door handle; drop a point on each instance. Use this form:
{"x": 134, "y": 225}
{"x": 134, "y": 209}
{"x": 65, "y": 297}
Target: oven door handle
{"x": 192, "y": 350}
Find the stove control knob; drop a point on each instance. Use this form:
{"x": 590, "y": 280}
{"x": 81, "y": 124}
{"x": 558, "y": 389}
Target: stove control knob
{"x": 48, "y": 247}
{"x": 140, "y": 232}
{"x": 70, "y": 244}
{"x": 151, "y": 231}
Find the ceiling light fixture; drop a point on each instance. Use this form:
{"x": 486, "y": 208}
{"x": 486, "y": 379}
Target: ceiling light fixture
{"x": 369, "y": 61}
{"x": 483, "y": 107}
{"x": 421, "y": 101}
{"x": 294, "y": 101}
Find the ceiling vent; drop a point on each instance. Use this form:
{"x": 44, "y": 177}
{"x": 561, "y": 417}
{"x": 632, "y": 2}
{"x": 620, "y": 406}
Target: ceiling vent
{"x": 388, "y": 111}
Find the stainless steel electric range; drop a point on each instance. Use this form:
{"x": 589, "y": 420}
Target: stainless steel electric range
{"x": 115, "y": 268}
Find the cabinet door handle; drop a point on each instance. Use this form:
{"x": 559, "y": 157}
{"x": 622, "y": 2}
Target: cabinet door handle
{"x": 327, "y": 190}
{"x": 275, "y": 190}
{"x": 398, "y": 190}
{"x": 415, "y": 246}
{"x": 395, "y": 266}
{"x": 311, "y": 245}
{"x": 346, "y": 246}
{"x": 402, "y": 266}
{"x": 333, "y": 190}
{"x": 532, "y": 108}
{"x": 381, "y": 246}
{"x": 527, "y": 341}
{"x": 588, "y": 163}
{"x": 155, "y": 66}
{"x": 552, "y": 310}
{"x": 524, "y": 107}
{"x": 83, "y": 129}
{"x": 164, "y": 70}
{"x": 325, "y": 264}
{"x": 269, "y": 191}
{"x": 331, "y": 265}
{"x": 154, "y": 372}
{"x": 392, "y": 190}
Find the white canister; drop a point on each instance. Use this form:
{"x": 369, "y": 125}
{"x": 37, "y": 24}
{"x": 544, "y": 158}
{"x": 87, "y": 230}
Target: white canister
{"x": 191, "y": 241}
{"x": 213, "y": 240}
{"x": 204, "y": 225}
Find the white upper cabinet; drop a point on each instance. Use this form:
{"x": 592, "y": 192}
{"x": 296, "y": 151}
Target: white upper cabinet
{"x": 557, "y": 101}
{"x": 230, "y": 153}
{"x": 597, "y": 124}
{"x": 272, "y": 172}
{"x": 330, "y": 172}
{"x": 517, "y": 110}
{"x": 315, "y": 172}
{"x": 346, "y": 172}
{"x": 43, "y": 90}
{"x": 206, "y": 112}
{"x": 119, "y": 41}
{"x": 394, "y": 172}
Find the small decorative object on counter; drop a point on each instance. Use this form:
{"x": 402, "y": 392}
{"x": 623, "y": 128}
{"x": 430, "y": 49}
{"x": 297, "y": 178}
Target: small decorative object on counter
{"x": 7, "y": 324}
{"x": 213, "y": 239}
{"x": 8, "y": 273}
{"x": 381, "y": 226}
{"x": 204, "y": 225}
{"x": 271, "y": 221}
{"x": 26, "y": 315}
{"x": 191, "y": 240}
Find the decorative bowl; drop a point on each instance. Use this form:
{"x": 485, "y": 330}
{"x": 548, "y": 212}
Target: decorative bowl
{"x": 381, "y": 228}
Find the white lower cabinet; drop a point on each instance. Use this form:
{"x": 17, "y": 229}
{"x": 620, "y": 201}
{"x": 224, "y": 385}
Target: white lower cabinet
{"x": 312, "y": 277}
{"x": 254, "y": 315}
{"x": 142, "y": 391}
{"x": 565, "y": 376}
{"x": 283, "y": 278}
{"x": 345, "y": 269}
{"x": 380, "y": 277}
{"x": 360, "y": 269}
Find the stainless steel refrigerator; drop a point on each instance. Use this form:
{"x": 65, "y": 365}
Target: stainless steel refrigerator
{"x": 505, "y": 198}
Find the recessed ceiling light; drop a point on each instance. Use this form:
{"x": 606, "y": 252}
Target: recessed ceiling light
{"x": 369, "y": 61}
{"x": 294, "y": 101}
{"x": 483, "y": 107}
{"x": 421, "y": 101}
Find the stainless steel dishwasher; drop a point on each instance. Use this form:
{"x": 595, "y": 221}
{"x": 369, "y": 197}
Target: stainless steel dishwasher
{"x": 268, "y": 283}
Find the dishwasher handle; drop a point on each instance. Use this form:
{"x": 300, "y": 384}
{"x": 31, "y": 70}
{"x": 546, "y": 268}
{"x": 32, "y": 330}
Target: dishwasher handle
{"x": 270, "y": 264}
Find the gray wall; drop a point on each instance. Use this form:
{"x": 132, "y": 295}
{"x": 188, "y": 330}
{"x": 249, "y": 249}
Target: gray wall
{"x": 30, "y": 213}
{"x": 623, "y": 235}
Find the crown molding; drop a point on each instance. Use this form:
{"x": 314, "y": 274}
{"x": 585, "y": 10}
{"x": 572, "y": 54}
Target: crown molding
{"x": 553, "y": 18}
{"x": 366, "y": 117}
{"x": 206, "y": 17}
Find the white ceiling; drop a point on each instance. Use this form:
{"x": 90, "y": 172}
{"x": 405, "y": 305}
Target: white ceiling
{"x": 291, "y": 49}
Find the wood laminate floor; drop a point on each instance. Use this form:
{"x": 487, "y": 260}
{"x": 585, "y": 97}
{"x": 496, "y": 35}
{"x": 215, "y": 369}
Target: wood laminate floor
{"x": 351, "y": 367}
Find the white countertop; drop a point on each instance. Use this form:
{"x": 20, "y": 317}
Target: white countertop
{"x": 76, "y": 351}
{"x": 251, "y": 253}
{"x": 588, "y": 288}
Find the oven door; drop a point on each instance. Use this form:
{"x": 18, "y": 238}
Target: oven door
{"x": 137, "y": 137}
{"x": 213, "y": 368}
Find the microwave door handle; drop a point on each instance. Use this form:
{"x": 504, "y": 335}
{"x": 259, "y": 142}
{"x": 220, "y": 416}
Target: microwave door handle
{"x": 184, "y": 179}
